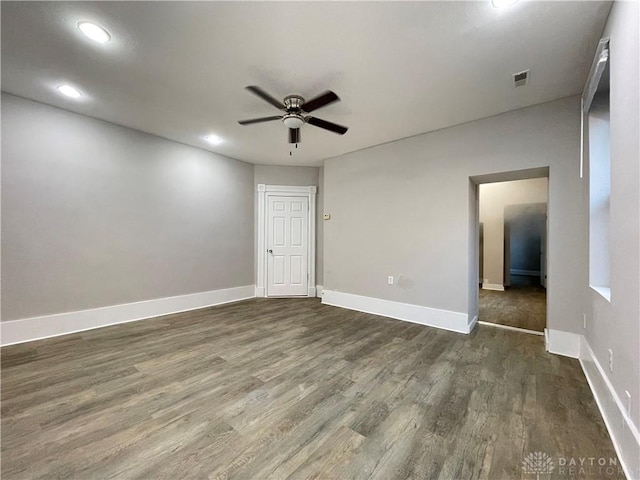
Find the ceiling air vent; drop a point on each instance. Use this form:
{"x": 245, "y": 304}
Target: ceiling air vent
{"x": 522, "y": 78}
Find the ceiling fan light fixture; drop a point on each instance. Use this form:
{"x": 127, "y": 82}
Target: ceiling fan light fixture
{"x": 293, "y": 121}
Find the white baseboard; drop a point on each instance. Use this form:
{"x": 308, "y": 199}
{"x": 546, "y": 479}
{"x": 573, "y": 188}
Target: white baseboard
{"x": 36, "y": 328}
{"x": 493, "y": 286}
{"x": 261, "y": 292}
{"x": 624, "y": 434}
{"x": 432, "y": 317}
{"x": 562, "y": 343}
{"x": 312, "y": 292}
{"x": 472, "y": 323}
{"x": 319, "y": 290}
{"x": 528, "y": 273}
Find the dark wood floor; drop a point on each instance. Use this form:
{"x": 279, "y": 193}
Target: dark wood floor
{"x": 290, "y": 388}
{"x": 522, "y": 305}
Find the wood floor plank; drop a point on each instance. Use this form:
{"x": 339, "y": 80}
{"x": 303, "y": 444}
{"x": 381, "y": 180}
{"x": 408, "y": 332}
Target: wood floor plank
{"x": 331, "y": 457}
{"x": 523, "y": 304}
{"x": 290, "y": 388}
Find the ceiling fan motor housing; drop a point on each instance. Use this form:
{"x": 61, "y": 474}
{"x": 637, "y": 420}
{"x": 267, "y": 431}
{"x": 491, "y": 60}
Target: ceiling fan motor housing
{"x": 293, "y": 103}
{"x": 293, "y": 118}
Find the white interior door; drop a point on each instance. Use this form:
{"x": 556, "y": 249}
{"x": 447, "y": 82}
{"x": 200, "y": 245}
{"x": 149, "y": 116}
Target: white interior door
{"x": 287, "y": 245}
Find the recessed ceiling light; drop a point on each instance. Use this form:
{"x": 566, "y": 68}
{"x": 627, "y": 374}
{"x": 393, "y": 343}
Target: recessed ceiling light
{"x": 213, "y": 139}
{"x": 94, "y": 32}
{"x": 69, "y": 91}
{"x": 503, "y": 3}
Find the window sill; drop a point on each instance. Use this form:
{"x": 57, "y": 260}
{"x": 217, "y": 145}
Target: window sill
{"x": 605, "y": 292}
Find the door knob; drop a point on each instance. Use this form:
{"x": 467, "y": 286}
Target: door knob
{"x": 270, "y": 251}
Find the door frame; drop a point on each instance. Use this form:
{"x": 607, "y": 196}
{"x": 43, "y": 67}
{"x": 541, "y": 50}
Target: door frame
{"x": 474, "y": 227}
{"x": 265, "y": 191}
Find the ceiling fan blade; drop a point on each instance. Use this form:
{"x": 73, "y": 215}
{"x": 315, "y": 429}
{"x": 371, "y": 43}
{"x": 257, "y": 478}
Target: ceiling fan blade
{"x": 265, "y": 96}
{"x": 320, "y": 101}
{"x": 259, "y": 120}
{"x": 294, "y": 135}
{"x": 334, "y": 127}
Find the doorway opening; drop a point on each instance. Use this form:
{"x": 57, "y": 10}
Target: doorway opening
{"x": 511, "y": 244}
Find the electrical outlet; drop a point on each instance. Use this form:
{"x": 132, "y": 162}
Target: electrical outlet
{"x": 584, "y": 320}
{"x": 390, "y": 280}
{"x": 610, "y": 360}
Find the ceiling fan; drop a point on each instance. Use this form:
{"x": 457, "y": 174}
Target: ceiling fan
{"x": 295, "y": 110}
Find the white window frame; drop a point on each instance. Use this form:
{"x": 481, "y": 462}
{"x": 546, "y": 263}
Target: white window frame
{"x": 595, "y": 74}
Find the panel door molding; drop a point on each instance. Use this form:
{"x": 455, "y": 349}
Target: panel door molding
{"x": 289, "y": 227}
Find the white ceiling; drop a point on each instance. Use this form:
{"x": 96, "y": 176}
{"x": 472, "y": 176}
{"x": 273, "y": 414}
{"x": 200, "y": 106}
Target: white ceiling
{"x": 178, "y": 69}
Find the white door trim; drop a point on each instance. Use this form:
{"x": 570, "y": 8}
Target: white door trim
{"x": 265, "y": 191}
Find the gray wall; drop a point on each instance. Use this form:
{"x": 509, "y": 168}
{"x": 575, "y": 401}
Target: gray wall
{"x": 275, "y": 175}
{"x": 94, "y": 214}
{"x": 404, "y": 208}
{"x": 295, "y": 176}
{"x": 615, "y": 325}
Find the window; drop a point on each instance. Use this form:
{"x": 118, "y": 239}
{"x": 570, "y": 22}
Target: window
{"x": 599, "y": 165}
